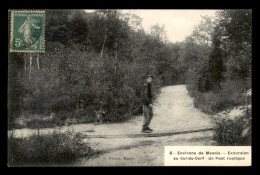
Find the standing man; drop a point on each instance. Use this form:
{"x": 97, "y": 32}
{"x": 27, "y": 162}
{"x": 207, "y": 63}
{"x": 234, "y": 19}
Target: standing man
{"x": 147, "y": 104}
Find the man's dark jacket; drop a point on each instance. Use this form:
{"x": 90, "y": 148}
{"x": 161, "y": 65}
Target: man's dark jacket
{"x": 147, "y": 94}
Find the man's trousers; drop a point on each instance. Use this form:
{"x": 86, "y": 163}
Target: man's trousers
{"x": 148, "y": 115}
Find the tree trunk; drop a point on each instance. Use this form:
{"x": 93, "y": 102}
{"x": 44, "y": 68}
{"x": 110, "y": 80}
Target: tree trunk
{"x": 38, "y": 64}
{"x": 103, "y": 46}
{"x": 116, "y": 58}
{"x": 24, "y": 63}
{"x": 30, "y": 68}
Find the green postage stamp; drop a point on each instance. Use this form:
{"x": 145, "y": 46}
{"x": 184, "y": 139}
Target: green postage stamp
{"x": 27, "y": 31}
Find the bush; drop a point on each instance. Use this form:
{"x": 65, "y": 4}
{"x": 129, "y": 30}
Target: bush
{"x": 209, "y": 102}
{"x": 66, "y": 78}
{"x": 58, "y": 119}
{"x": 43, "y": 149}
{"x": 212, "y": 102}
{"x": 73, "y": 70}
{"x": 229, "y": 132}
{"x": 38, "y": 123}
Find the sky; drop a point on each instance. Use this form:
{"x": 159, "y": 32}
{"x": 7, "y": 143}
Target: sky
{"x": 178, "y": 23}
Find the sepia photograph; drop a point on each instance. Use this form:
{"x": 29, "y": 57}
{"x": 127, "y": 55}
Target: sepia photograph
{"x": 129, "y": 87}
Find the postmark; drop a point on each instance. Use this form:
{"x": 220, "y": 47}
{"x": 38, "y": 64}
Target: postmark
{"x": 27, "y": 31}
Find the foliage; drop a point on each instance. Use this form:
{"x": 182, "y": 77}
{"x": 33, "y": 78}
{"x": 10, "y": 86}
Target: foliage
{"x": 15, "y": 90}
{"x": 218, "y": 60}
{"x": 212, "y": 102}
{"x": 215, "y": 65}
{"x": 229, "y": 132}
{"x": 101, "y": 60}
{"x": 41, "y": 150}
{"x": 235, "y": 27}
{"x": 91, "y": 61}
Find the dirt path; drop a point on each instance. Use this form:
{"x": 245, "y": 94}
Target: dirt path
{"x": 173, "y": 110}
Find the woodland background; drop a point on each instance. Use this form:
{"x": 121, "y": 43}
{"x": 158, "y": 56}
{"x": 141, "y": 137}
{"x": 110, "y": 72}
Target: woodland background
{"x": 102, "y": 59}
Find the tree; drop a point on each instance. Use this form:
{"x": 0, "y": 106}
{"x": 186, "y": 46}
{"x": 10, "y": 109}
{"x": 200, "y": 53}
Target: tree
{"x": 215, "y": 64}
{"x": 194, "y": 54}
{"x": 15, "y": 90}
{"x": 158, "y": 33}
{"x": 133, "y": 21}
{"x": 202, "y": 34}
{"x": 235, "y": 28}
{"x": 94, "y": 58}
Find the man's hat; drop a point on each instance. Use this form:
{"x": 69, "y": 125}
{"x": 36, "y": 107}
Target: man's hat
{"x": 149, "y": 75}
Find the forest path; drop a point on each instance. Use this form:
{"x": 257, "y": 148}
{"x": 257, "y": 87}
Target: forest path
{"x": 174, "y": 113}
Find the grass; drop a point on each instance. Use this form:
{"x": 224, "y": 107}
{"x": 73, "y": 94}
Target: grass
{"x": 61, "y": 118}
{"x": 212, "y": 102}
{"x": 46, "y": 149}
